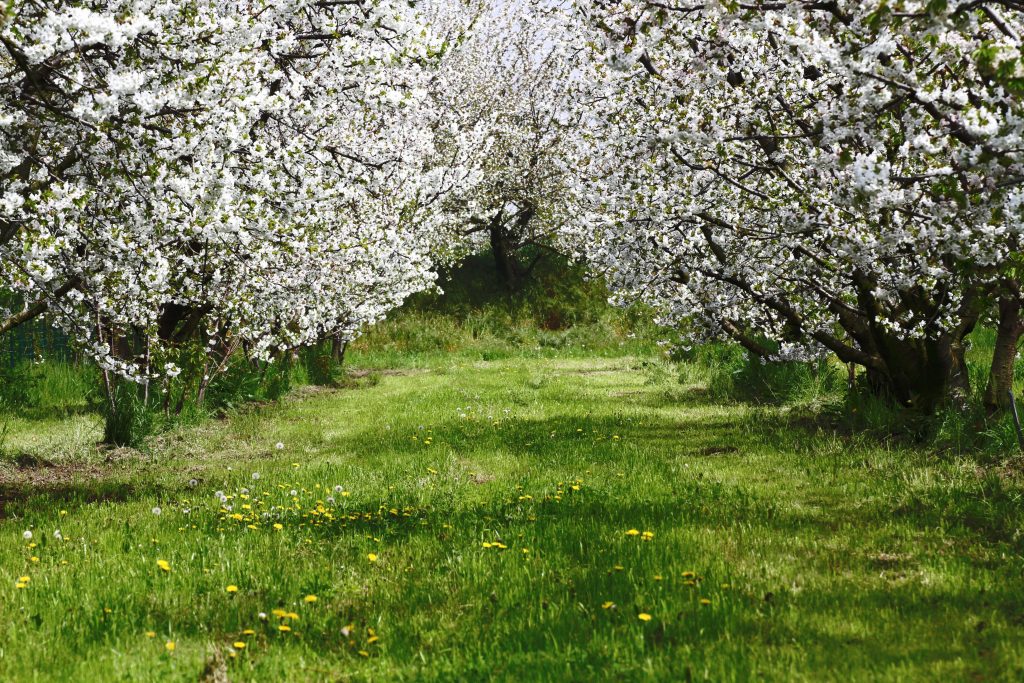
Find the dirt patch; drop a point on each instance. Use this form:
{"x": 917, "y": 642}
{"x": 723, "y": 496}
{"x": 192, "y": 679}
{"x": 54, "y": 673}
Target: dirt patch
{"x": 718, "y": 450}
{"x": 388, "y": 372}
{"x": 308, "y": 390}
{"x": 890, "y": 559}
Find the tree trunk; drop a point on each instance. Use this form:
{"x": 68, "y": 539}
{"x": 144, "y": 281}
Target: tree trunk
{"x": 1000, "y": 376}
{"x": 922, "y": 374}
{"x": 338, "y": 348}
{"x": 503, "y": 249}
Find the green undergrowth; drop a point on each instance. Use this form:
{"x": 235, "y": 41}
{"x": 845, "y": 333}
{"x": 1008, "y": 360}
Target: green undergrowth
{"x": 565, "y": 518}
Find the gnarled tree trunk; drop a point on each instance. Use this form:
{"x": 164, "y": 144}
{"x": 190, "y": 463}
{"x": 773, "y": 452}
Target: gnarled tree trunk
{"x": 1000, "y": 376}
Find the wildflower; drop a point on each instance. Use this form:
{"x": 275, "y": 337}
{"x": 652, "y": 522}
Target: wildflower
{"x": 284, "y": 627}
{"x": 34, "y": 558}
{"x": 279, "y": 446}
{"x": 238, "y": 645}
{"x": 644, "y": 616}
{"x": 20, "y": 584}
{"x": 169, "y": 645}
{"x": 338, "y": 488}
{"x": 262, "y": 616}
{"x": 255, "y": 476}
{"x": 633, "y": 532}
{"x": 705, "y": 601}
{"x": 232, "y": 588}
{"x": 278, "y": 526}
{"x": 248, "y": 632}
{"x": 364, "y": 653}
{"x": 157, "y": 511}
{"x": 57, "y": 535}
{"x": 192, "y": 483}
{"x": 164, "y": 564}
{"x": 63, "y": 512}
{"x": 647, "y": 536}
{"x": 27, "y": 535}
{"x": 310, "y": 598}
{"x": 372, "y": 557}
{"x": 151, "y": 634}
{"x": 608, "y": 604}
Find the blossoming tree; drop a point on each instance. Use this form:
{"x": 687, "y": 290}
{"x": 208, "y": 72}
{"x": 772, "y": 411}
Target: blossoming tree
{"x": 239, "y": 174}
{"x": 803, "y": 177}
{"x": 513, "y": 88}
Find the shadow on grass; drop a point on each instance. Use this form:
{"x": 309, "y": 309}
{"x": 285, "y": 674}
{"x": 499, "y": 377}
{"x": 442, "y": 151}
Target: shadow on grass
{"x": 18, "y": 499}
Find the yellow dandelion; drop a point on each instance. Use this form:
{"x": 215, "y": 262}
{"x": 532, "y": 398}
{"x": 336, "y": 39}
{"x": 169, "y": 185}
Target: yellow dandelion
{"x": 364, "y": 653}
{"x": 284, "y": 627}
{"x": 608, "y": 604}
{"x": 705, "y": 601}
{"x": 151, "y": 634}
{"x": 310, "y": 598}
{"x": 164, "y": 565}
{"x": 279, "y": 613}
{"x": 24, "y": 579}
{"x": 248, "y": 632}
{"x": 232, "y": 588}
{"x": 34, "y": 558}
{"x": 278, "y": 526}
{"x": 644, "y": 616}
{"x": 20, "y": 584}
{"x": 238, "y": 645}
{"x": 170, "y": 645}
{"x": 633, "y": 532}
{"x": 372, "y": 557}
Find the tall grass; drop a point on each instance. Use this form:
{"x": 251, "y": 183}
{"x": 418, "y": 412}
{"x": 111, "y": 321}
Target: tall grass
{"x": 818, "y": 394}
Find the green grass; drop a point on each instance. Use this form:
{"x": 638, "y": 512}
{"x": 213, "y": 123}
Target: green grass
{"x": 820, "y": 557}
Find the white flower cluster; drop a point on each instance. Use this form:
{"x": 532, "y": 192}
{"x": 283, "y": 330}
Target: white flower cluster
{"x": 843, "y": 176}
{"x": 251, "y": 173}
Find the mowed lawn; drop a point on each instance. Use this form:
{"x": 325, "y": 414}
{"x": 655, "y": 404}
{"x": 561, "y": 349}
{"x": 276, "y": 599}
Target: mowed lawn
{"x": 519, "y": 519}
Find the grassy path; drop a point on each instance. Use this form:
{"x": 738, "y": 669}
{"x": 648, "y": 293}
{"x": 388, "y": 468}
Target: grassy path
{"x": 532, "y": 519}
